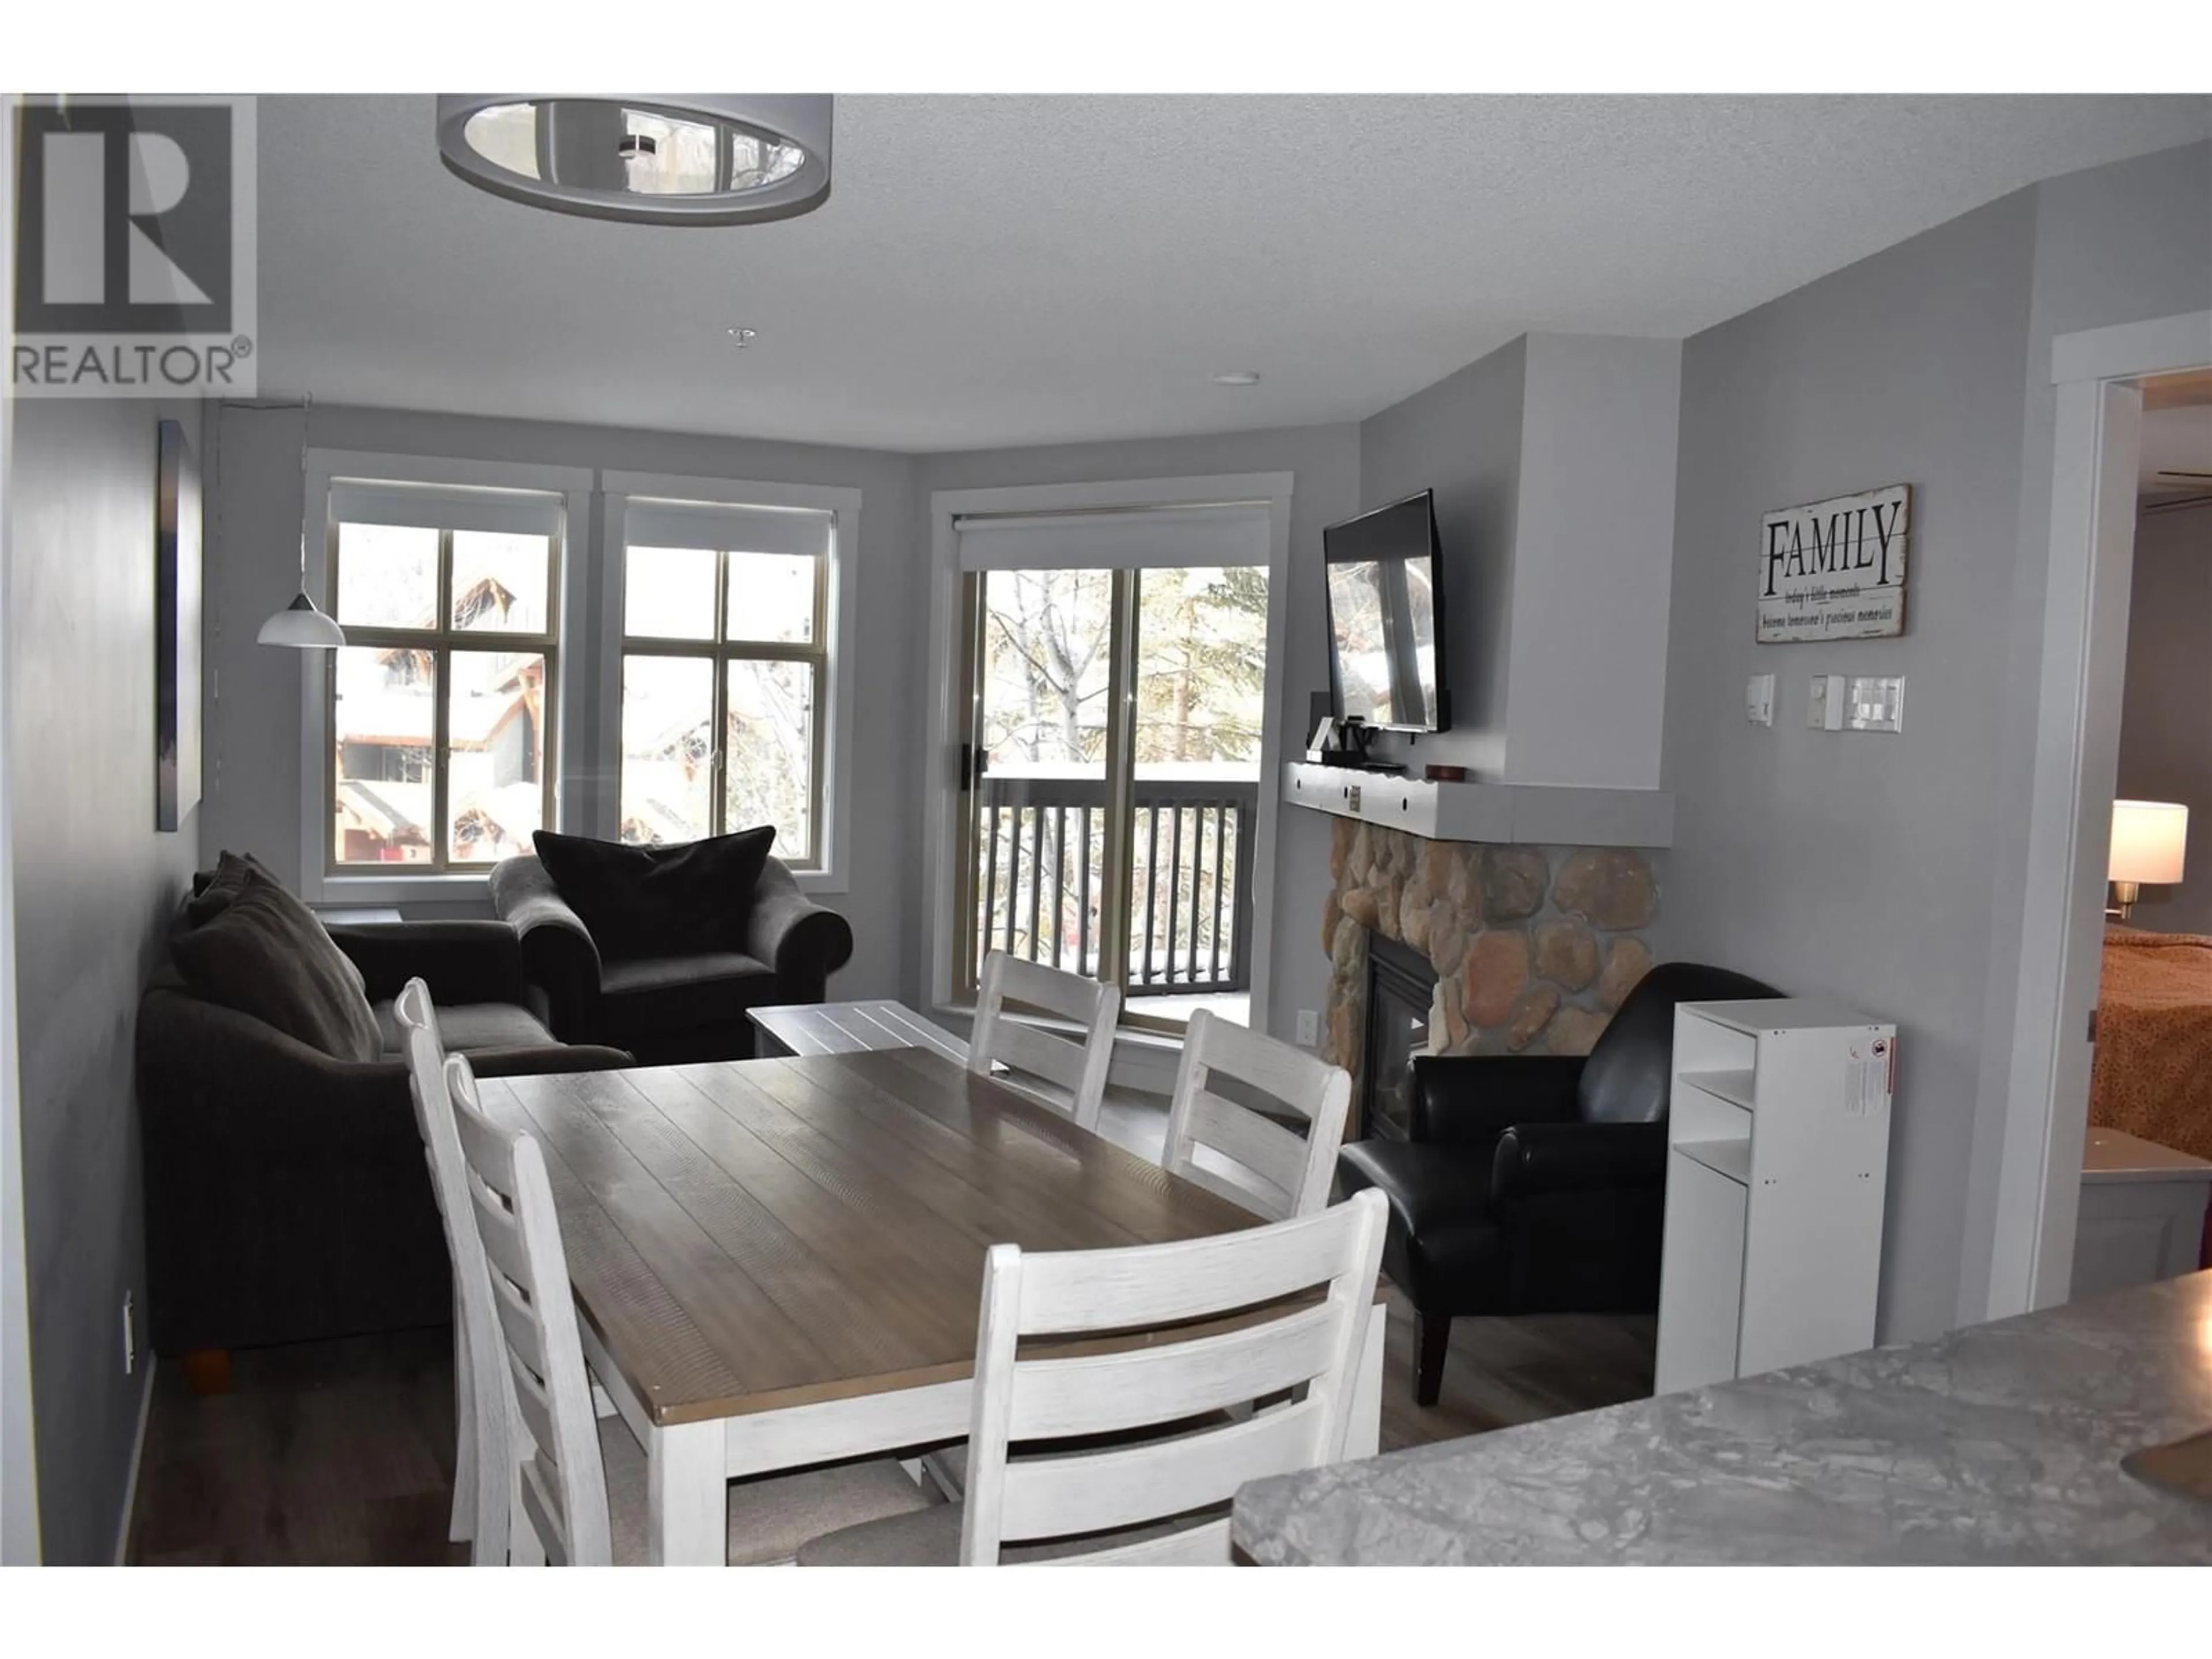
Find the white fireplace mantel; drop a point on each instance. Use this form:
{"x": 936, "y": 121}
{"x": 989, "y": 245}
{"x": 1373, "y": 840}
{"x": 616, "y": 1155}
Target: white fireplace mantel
{"x": 1530, "y": 814}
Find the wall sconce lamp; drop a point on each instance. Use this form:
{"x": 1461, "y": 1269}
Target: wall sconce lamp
{"x": 2148, "y": 839}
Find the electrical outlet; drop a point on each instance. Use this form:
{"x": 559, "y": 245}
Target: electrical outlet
{"x": 129, "y": 1338}
{"x": 1308, "y": 1028}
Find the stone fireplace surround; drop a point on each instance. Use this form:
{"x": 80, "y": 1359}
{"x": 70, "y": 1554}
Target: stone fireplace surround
{"x": 1534, "y": 947}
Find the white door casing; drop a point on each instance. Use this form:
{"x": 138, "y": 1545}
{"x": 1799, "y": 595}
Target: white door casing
{"x": 2093, "y": 511}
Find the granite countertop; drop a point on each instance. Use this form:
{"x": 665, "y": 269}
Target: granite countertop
{"x": 1996, "y": 1444}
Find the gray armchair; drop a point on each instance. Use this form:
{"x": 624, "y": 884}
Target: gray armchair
{"x": 688, "y": 1005}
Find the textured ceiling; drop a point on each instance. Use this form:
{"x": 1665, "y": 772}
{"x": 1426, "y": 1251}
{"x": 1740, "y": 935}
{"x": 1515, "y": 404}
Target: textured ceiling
{"x": 1021, "y": 270}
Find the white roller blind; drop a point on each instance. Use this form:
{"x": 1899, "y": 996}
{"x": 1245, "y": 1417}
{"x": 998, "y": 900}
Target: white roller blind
{"x": 1236, "y": 534}
{"x": 445, "y": 507}
{"x": 651, "y": 523}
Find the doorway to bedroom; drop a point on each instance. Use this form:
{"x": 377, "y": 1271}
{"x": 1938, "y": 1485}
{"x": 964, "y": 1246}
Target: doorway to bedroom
{"x": 2069, "y": 1035}
{"x": 2147, "y": 1164}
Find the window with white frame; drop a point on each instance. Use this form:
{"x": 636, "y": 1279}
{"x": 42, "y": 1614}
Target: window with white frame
{"x": 439, "y": 711}
{"x": 724, "y": 664}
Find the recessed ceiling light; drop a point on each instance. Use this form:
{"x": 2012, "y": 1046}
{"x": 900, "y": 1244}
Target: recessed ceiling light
{"x": 1236, "y": 377}
{"x": 741, "y": 338}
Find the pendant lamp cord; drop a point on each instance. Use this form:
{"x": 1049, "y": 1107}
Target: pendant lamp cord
{"x": 304, "y": 403}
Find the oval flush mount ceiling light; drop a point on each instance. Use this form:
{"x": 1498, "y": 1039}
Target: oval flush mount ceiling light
{"x": 1237, "y": 377}
{"x": 675, "y": 158}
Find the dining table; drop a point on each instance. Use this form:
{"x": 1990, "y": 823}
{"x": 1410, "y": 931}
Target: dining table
{"x": 779, "y": 1263}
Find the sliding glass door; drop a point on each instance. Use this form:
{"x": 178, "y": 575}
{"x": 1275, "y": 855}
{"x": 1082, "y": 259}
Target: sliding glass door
{"x": 1042, "y": 697}
{"x": 1199, "y": 670}
{"x": 1112, "y": 771}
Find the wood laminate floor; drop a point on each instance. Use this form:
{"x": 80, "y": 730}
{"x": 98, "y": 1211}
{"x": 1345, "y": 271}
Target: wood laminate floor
{"x": 341, "y": 1452}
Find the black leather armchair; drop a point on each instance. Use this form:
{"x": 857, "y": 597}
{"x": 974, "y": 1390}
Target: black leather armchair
{"x": 1535, "y": 1183}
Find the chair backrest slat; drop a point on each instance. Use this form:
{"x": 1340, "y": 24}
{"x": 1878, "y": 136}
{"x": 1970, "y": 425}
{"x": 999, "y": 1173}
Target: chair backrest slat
{"x": 1051, "y": 1498}
{"x": 1086, "y": 1395}
{"x": 1292, "y": 1362}
{"x": 477, "y": 1343}
{"x": 1269, "y": 1149}
{"x": 1077, "y": 1069}
{"x": 1291, "y": 1174}
{"x": 1190, "y": 1547}
{"x": 519, "y": 1325}
{"x": 553, "y": 1435}
{"x": 1145, "y": 1285}
{"x": 501, "y": 1237}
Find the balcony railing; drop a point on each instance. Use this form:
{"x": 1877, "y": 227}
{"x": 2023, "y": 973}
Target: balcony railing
{"x": 1041, "y": 852}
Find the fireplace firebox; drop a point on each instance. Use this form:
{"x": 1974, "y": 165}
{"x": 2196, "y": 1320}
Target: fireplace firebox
{"x": 1401, "y": 988}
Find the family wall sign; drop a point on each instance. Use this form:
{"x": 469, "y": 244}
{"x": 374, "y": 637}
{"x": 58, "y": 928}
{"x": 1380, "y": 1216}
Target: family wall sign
{"x": 1835, "y": 569}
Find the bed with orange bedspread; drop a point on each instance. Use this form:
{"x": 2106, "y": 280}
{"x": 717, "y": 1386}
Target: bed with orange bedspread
{"x": 2154, "y": 1066}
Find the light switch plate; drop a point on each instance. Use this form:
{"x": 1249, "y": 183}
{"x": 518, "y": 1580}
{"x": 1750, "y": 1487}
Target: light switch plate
{"x": 1824, "y": 710}
{"x": 1874, "y": 702}
{"x": 1758, "y": 700}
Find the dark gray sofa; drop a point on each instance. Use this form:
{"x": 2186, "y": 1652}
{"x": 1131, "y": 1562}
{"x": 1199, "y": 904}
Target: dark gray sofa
{"x": 684, "y": 1006}
{"x": 287, "y": 1198}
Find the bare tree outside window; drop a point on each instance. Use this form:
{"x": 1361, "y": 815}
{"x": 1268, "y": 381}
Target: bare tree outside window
{"x": 1043, "y": 680}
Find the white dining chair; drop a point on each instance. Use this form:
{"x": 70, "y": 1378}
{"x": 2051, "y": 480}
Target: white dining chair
{"x": 1055, "y": 1476}
{"x": 576, "y": 1483}
{"x": 1071, "y": 1076}
{"x": 1289, "y": 1174}
{"x": 480, "y": 1487}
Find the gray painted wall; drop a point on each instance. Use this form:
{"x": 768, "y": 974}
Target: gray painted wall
{"x": 253, "y": 726}
{"x": 1889, "y": 870}
{"x": 19, "y": 1453}
{"x": 1325, "y": 460}
{"x": 1856, "y": 864}
{"x": 1592, "y": 560}
{"x": 1461, "y": 437}
{"x": 2165, "y": 722}
{"x": 94, "y": 888}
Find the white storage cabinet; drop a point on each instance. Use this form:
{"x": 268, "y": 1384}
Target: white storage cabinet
{"x": 1778, "y": 1157}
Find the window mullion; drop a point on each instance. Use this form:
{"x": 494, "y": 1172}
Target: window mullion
{"x": 818, "y": 784}
{"x": 717, "y": 805}
{"x": 1118, "y": 877}
{"x": 442, "y": 717}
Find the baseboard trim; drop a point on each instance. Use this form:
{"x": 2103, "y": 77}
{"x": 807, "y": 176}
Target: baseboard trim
{"x": 138, "y": 1458}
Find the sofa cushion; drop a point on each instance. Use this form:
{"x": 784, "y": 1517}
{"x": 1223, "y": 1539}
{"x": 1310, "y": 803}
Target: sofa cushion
{"x": 469, "y": 1027}
{"x": 264, "y": 954}
{"x": 646, "y": 994}
{"x": 658, "y": 901}
{"x": 213, "y": 890}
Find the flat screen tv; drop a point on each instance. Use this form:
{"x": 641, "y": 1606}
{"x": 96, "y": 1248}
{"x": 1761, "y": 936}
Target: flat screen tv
{"x": 1386, "y": 614}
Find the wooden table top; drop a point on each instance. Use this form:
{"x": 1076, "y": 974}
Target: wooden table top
{"x": 746, "y": 1235}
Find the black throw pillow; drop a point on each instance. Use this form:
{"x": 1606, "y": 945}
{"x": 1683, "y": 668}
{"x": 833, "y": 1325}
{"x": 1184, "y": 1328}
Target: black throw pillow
{"x": 265, "y": 954}
{"x": 213, "y": 890}
{"x": 659, "y": 901}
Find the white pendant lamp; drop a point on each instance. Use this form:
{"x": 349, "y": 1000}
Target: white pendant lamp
{"x": 663, "y": 158}
{"x": 300, "y": 625}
